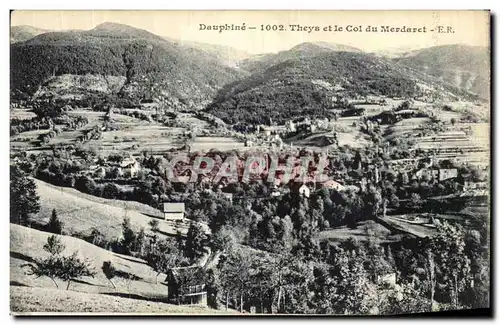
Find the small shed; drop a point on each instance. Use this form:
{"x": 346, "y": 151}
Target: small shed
{"x": 173, "y": 211}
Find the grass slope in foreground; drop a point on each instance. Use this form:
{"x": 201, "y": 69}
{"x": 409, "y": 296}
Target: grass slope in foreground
{"x": 26, "y": 300}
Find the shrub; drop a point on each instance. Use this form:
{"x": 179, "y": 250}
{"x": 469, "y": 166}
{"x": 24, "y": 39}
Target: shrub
{"x": 109, "y": 271}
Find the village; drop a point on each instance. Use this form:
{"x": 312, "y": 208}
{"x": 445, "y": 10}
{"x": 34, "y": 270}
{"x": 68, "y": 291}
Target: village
{"x": 165, "y": 176}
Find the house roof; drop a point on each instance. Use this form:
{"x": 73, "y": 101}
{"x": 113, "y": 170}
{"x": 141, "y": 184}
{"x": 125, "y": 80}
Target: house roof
{"x": 332, "y": 184}
{"x": 128, "y": 162}
{"x": 187, "y": 275}
{"x": 173, "y": 207}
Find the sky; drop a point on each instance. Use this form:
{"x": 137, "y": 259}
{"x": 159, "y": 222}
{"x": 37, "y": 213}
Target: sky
{"x": 467, "y": 27}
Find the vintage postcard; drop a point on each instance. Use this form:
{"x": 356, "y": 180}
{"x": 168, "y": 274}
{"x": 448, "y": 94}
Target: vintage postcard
{"x": 250, "y": 162}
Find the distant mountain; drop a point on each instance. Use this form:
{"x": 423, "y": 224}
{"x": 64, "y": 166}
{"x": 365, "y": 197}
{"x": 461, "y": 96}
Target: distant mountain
{"x": 308, "y": 49}
{"x": 24, "y": 33}
{"x": 224, "y": 54}
{"x": 394, "y": 52}
{"x": 147, "y": 65}
{"x": 310, "y": 85}
{"x": 463, "y": 66}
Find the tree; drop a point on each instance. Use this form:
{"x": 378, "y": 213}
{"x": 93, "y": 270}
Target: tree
{"x": 163, "y": 255}
{"x": 66, "y": 268}
{"x": 74, "y": 268}
{"x": 128, "y": 236}
{"x": 54, "y": 245}
{"x": 235, "y": 275}
{"x": 109, "y": 271}
{"x": 355, "y": 294}
{"x": 373, "y": 201}
{"x": 414, "y": 202}
{"x": 24, "y": 200}
{"x": 154, "y": 224}
{"x": 451, "y": 261}
{"x": 394, "y": 201}
{"x": 222, "y": 241}
{"x": 55, "y": 225}
{"x": 430, "y": 269}
{"x": 110, "y": 191}
{"x": 195, "y": 241}
{"x": 453, "y": 121}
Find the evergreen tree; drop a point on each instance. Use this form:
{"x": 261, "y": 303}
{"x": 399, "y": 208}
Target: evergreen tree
{"x": 55, "y": 225}
{"x": 24, "y": 200}
{"x": 128, "y": 236}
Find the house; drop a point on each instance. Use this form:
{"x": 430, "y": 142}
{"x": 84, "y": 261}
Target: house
{"x": 187, "y": 285}
{"x": 387, "y": 279}
{"x": 275, "y": 193}
{"x": 304, "y": 190}
{"x": 130, "y": 167}
{"x": 100, "y": 172}
{"x": 445, "y": 174}
{"x": 290, "y": 126}
{"x": 173, "y": 211}
{"x": 469, "y": 185}
{"x": 228, "y": 196}
{"x": 434, "y": 173}
{"x": 333, "y": 185}
{"x": 426, "y": 173}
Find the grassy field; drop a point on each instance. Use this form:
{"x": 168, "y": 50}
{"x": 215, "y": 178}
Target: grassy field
{"x": 39, "y": 301}
{"x": 81, "y": 212}
{"x": 27, "y": 244}
{"x": 418, "y": 229}
{"x": 366, "y": 230}
{"x": 128, "y": 134}
{"x": 139, "y": 293}
{"x": 21, "y": 114}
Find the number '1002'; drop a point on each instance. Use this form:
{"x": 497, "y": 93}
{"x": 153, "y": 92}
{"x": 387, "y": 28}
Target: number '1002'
{"x": 272, "y": 27}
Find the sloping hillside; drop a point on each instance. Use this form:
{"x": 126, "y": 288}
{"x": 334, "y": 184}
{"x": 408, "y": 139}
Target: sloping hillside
{"x": 27, "y": 244}
{"x": 308, "y": 49}
{"x": 40, "y": 301}
{"x": 463, "y": 66}
{"x": 24, "y": 33}
{"x": 81, "y": 212}
{"x": 152, "y": 66}
{"x": 306, "y": 86}
{"x": 136, "y": 288}
{"x": 227, "y": 55}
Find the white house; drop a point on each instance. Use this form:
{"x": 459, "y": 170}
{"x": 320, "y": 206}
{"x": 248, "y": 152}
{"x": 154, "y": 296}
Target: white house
{"x": 130, "y": 167}
{"x": 173, "y": 211}
{"x": 387, "y": 279}
{"x": 100, "y": 172}
{"x": 445, "y": 174}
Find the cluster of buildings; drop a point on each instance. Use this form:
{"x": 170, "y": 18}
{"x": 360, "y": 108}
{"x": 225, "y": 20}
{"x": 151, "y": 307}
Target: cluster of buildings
{"x": 128, "y": 167}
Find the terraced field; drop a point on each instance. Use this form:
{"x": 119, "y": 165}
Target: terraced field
{"x": 132, "y": 135}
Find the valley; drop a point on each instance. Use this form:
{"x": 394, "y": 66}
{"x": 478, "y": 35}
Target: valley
{"x": 119, "y": 138}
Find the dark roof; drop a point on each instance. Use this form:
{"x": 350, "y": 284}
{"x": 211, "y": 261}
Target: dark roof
{"x": 187, "y": 275}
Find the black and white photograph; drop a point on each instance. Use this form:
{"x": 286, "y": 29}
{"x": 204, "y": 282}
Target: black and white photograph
{"x": 250, "y": 163}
